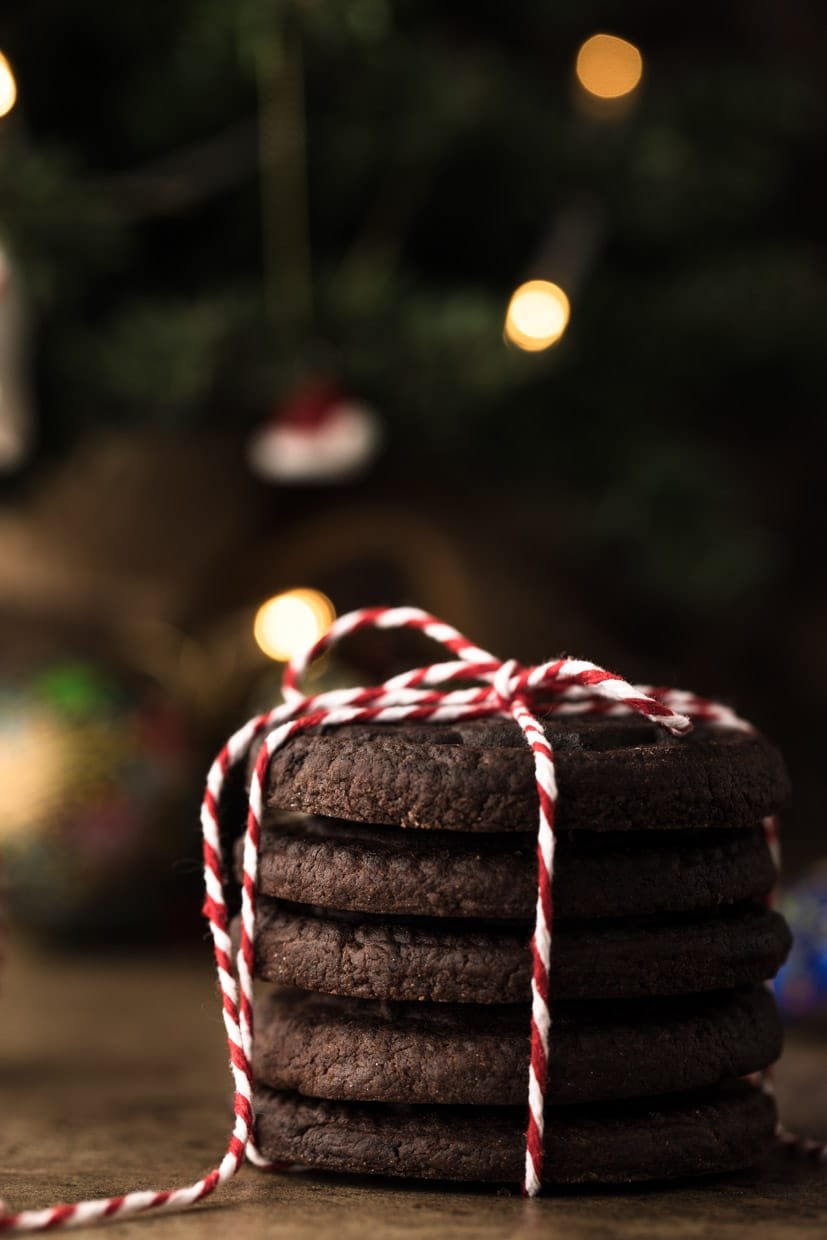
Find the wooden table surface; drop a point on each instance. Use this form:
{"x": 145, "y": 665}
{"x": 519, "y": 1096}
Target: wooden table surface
{"x": 113, "y": 1076}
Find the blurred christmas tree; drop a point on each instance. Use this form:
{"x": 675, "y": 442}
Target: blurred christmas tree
{"x": 212, "y": 213}
{"x": 208, "y": 203}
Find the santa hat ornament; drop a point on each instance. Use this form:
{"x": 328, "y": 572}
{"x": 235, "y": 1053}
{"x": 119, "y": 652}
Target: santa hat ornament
{"x": 318, "y": 435}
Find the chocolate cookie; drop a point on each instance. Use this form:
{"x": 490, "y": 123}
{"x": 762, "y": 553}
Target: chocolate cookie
{"x": 361, "y": 868}
{"x": 683, "y": 1135}
{"x": 613, "y": 774}
{"x": 454, "y": 962}
{"x": 365, "y": 1051}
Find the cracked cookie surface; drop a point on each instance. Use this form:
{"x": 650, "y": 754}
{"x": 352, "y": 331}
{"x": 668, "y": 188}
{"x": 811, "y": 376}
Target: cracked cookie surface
{"x": 683, "y": 1135}
{"x": 361, "y": 868}
{"x": 613, "y": 775}
{"x": 460, "y": 962}
{"x": 354, "y": 1050}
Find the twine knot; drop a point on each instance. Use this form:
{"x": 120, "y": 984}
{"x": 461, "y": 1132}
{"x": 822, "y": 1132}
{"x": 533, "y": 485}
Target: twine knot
{"x": 508, "y": 682}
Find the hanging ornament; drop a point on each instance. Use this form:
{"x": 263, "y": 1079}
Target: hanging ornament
{"x": 801, "y": 984}
{"x": 94, "y": 775}
{"x": 317, "y": 435}
{"x": 15, "y": 407}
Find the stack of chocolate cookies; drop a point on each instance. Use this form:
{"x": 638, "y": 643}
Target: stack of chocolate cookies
{"x": 397, "y": 895}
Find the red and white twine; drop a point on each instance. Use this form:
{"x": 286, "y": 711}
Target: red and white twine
{"x": 490, "y": 688}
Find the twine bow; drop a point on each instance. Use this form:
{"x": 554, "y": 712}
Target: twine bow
{"x": 487, "y": 687}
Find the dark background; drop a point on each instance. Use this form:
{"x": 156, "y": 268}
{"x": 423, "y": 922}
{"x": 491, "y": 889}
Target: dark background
{"x": 205, "y": 204}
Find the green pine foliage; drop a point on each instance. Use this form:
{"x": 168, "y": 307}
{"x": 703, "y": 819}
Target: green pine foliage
{"x": 209, "y": 200}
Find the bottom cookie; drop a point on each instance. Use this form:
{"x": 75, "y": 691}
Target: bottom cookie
{"x": 663, "y": 1138}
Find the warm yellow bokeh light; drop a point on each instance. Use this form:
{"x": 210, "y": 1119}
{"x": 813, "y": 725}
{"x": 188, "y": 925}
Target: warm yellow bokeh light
{"x": 537, "y": 316}
{"x": 291, "y": 622}
{"x": 609, "y": 67}
{"x": 8, "y": 87}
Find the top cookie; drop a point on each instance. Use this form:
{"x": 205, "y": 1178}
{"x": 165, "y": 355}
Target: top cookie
{"x": 613, "y": 774}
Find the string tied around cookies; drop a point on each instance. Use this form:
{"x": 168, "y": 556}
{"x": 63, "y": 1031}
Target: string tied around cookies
{"x": 472, "y": 684}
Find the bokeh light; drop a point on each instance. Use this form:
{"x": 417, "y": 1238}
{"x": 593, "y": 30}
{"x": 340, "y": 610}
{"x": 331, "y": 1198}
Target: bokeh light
{"x": 8, "y": 87}
{"x": 537, "y": 316}
{"x": 291, "y": 622}
{"x": 609, "y": 67}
